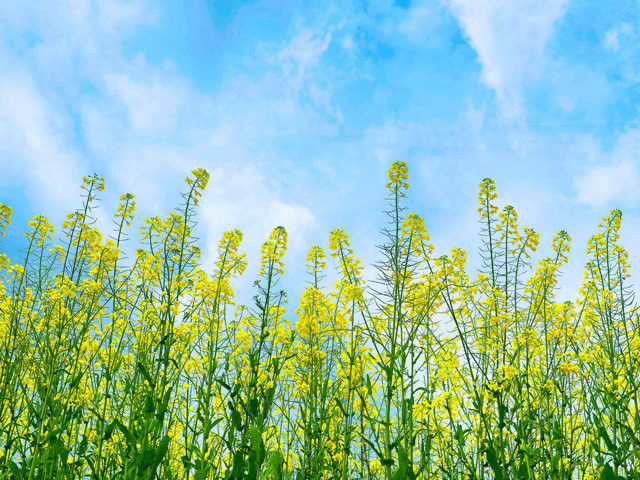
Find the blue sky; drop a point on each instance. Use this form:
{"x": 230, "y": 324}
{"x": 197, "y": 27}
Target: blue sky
{"x": 297, "y": 109}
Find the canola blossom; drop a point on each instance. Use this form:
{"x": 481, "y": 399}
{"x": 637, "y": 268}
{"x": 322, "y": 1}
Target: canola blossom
{"x": 147, "y": 368}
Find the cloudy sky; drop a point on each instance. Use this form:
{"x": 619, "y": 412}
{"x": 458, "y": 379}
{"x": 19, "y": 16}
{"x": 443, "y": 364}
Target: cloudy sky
{"x": 297, "y": 109}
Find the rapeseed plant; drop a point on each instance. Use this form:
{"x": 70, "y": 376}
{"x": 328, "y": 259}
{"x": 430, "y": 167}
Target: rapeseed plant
{"x": 146, "y": 367}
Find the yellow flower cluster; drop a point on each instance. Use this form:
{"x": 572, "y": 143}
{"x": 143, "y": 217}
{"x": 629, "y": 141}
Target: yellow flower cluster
{"x": 414, "y": 229}
{"x": 350, "y": 266}
{"x": 42, "y": 230}
{"x": 486, "y": 195}
{"x": 126, "y": 209}
{"x": 316, "y": 259}
{"x": 5, "y": 218}
{"x": 273, "y": 251}
{"x": 398, "y": 176}
{"x": 198, "y": 183}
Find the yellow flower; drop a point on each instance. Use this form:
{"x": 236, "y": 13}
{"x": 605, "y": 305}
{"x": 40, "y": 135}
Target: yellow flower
{"x": 273, "y": 251}
{"x": 126, "y": 209}
{"x": 316, "y": 259}
{"x": 5, "y": 218}
{"x": 568, "y": 368}
{"x": 414, "y": 229}
{"x": 486, "y": 195}
{"x": 43, "y": 230}
{"x": 398, "y": 176}
{"x": 508, "y": 372}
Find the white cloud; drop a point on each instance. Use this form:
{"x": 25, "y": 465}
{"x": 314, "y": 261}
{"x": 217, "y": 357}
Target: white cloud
{"x": 617, "y": 179}
{"x": 604, "y": 184}
{"x": 611, "y": 40}
{"x": 62, "y": 46}
{"x": 510, "y": 37}
{"x": 566, "y": 103}
{"x": 72, "y": 36}
{"x": 32, "y": 143}
{"x": 302, "y": 54}
{"x": 299, "y": 72}
{"x": 63, "y": 21}
{"x": 414, "y": 24}
{"x": 153, "y": 106}
{"x": 116, "y": 15}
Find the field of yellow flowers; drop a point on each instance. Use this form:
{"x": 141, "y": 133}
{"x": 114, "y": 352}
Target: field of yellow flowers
{"x": 146, "y": 368}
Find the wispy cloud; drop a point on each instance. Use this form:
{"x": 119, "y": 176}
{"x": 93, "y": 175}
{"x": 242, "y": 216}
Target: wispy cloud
{"x": 150, "y": 106}
{"x": 510, "y": 38}
{"x": 33, "y": 144}
{"x": 615, "y": 180}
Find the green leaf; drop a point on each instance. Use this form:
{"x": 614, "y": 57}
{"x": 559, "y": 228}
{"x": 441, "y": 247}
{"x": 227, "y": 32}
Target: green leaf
{"x": 145, "y": 373}
{"x": 236, "y": 390}
{"x": 344, "y": 412}
{"x": 223, "y": 383}
{"x": 109, "y": 430}
{"x": 602, "y": 431}
{"x": 400, "y": 473}
{"x": 146, "y": 458}
{"x": 149, "y": 406}
{"x": 257, "y": 445}
{"x": 459, "y": 435}
{"x": 74, "y": 383}
{"x": 523, "y": 471}
{"x": 82, "y": 449}
{"x": 493, "y": 462}
{"x": 237, "y": 471}
{"x": 131, "y": 441}
{"x": 254, "y": 407}
{"x": 164, "y": 405}
{"x": 557, "y": 432}
{"x": 236, "y": 419}
{"x": 371, "y": 444}
{"x": 162, "y": 449}
{"x": 608, "y": 473}
{"x": 216, "y": 422}
{"x": 14, "y": 469}
{"x": 273, "y": 467}
{"x": 186, "y": 462}
{"x": 404, "y": 471}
